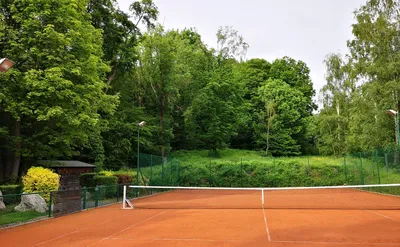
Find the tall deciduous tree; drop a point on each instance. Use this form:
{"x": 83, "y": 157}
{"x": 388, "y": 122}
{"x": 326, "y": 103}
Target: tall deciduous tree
{"x": 53, "y": 97}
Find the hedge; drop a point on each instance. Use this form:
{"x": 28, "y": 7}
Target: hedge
{"x": 12, "y": 189}
{"x": 87, "y": 179}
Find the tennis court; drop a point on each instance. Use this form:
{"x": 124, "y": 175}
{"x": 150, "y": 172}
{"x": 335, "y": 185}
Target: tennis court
{"x": 227, "y": 217}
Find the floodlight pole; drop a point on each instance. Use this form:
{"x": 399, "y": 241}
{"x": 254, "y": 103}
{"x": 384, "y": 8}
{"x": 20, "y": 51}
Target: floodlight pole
{"x": 396, "y": 120}
{"x": 141, "y": 124}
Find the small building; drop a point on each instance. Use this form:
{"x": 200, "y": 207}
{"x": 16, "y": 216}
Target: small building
{"x": 69, "y": 170}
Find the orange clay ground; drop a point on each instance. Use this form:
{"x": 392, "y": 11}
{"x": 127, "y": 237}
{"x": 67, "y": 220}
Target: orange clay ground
{"x": 274, "y": 227}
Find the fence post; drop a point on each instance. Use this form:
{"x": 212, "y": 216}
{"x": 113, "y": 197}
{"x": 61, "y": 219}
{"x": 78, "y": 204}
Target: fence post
{"x": 96, "y": 196}
{"x": 151, "y": 169}
{"x": 84, "y": 198}
{"x": 345, "y": 168}
{"x": 386, "y": 163}
{"x": 241, "y": 172}
{"x": 162, "y": 170}
{"x": 50, "y": 204}
{"x": 210, "y": 179}
{"x": 377, "y": 166}
{"x": 117, "y": 192}
{"x": 309, "y": 168}
{"x": 179, "y": 173}
{"x": 274, "y": 173}
{"x": 361, "y": 170}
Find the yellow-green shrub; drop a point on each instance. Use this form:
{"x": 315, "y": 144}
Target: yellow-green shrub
{"x": 106, "y": 173}
{"x": 39, "y": 179}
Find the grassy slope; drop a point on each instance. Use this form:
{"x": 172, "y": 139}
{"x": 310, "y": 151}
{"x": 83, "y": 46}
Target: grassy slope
{"x": 200, "y": 158}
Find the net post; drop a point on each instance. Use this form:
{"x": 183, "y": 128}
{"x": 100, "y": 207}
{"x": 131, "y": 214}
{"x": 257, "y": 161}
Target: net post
{"x": 262, "y": 198}
{"x": 124, "y": 198}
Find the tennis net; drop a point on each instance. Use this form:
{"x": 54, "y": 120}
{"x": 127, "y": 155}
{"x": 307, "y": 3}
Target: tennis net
{"x": 364, "y": 197}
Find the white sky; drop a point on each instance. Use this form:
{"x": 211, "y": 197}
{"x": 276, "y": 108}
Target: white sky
{"x": 306, "y": 30}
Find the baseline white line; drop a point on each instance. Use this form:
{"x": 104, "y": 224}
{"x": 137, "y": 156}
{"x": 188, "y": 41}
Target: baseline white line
{"x": 64, "y": 235}
{"x": 127, "y": 228}
{"x": 335, "y": 243}
{"x": 202, "y": 240}
{"x": 266, "y": 225}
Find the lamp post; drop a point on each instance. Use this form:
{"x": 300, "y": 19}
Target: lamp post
{"x": 396, "y": 120}
{"x": 140, "y": 125}
{"x": 5, "y": 64}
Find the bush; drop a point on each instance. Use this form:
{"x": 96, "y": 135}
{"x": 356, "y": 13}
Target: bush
{"x": 87, "y": 179}
{"x": 108, "y": 186}
{"x": 106, "y": 173}
{"x": 12, "y": 189}
{"x": 39, "y": 179}
{"x": 124, "y": 178}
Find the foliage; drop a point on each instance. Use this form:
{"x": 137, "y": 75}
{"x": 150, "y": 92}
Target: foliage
{"x": 105, "y": 180}
{"x": 106, "y": 173}
{"x": 87, "y": 179}
{"x": 124, "y": 178}
{"x": 12, "y": 189}
{"x": 39, "y": 179}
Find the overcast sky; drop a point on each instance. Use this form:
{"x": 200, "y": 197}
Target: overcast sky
{"x": 305, "y": 30}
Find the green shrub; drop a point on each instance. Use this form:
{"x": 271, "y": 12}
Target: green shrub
{"x": 40, "y": 179}
{"x": 106, "y": 173}
{"x": 124, "y": 178}
{"x": 12, "y": 189}
{"x": 87, "y": 179}
{"x": 105, "y": 180}
{"x": 107, "y": 185}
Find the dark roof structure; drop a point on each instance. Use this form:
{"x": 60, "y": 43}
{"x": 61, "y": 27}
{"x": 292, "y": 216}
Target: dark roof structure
{"x": 64, "y": 164}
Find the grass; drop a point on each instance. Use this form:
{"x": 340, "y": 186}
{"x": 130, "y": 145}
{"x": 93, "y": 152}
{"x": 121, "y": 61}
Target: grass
{"x": 9, "y": 216}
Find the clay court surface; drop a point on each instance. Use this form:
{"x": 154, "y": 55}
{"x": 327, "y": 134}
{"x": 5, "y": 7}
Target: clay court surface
{"x": 233, "y": 219}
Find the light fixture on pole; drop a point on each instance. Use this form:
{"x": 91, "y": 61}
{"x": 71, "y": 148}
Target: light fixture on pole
{"x": 140, "y": 125}
{"x": 5, "y": 64}
{"x": 396, "y": 120}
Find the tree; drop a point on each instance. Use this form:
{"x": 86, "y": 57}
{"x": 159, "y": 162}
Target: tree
{"x": 53, "y": 98}
{"x": 281, "y": 120}
{"x": 230, "y": 44}
{"x": 216, "y": 112}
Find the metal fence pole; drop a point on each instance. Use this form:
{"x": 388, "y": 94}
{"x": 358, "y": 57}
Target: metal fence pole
{"x": 386, "y": 163}
{"x": 96, "y": 196}
{"x": 274, "y": 173}
{"x": 151, "y": 169}
{"x": 162, "y": 171}
{"x": 50, "y": 204}
{"x": 308, "y": 168}
{"x": 84, "y": 198}
{"x": 361, "y": 169}
{"x": 377, "y": 166}
{"x": 345, "y": 168}
{"x": 241, "y": 172}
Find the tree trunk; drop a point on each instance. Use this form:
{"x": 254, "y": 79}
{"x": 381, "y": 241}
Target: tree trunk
{"x": 17, "y": 152}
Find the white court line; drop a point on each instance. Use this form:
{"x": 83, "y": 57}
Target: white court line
{"x": 202, "y": 240}
{"x": 72, "y": 233}
{"x": 336, "y": 243}
{"x": 266, "y": 225}
{"x": 383, "y": 215}
{"x": 129, "y": 227}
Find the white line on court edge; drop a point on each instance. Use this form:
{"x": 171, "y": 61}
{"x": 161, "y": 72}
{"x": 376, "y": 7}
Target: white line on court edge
{"x": 70, "y": 233}
{"x": 127, "y": 228}
{"x": 335, "y": 243}
{"x": 381, "y": 215}
{"x": 266, "y": 225}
